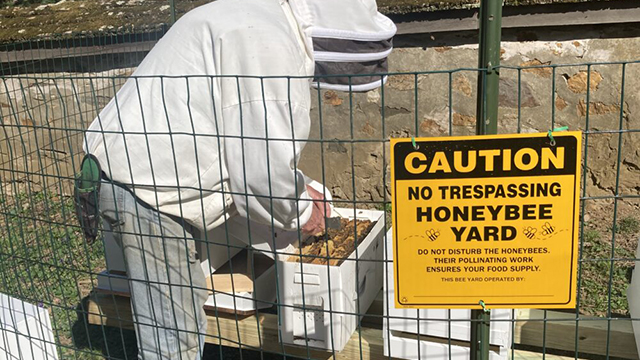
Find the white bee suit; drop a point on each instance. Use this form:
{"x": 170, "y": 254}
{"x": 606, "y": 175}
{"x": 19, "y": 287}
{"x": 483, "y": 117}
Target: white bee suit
{"x": 191, "y": 143}
{"x": 212, "y": 123}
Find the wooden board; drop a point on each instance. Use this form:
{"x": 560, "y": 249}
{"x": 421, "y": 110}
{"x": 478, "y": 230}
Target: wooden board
{"x": 560, "y": 333}
{"x": 529, "y": 355}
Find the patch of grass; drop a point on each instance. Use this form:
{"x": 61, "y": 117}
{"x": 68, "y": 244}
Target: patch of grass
{"x": 604, "y": 279}
{"x": 628, "y": 225}
{"x": 597, "y": 297}
{"x": 44, "y": 260}
{"x": 591, "y": 235}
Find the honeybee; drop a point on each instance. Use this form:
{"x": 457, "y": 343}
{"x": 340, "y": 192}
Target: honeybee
{"x": 432, "y": 234}
{"x": 530, "y": 232}
{"x": 547, "y": 229}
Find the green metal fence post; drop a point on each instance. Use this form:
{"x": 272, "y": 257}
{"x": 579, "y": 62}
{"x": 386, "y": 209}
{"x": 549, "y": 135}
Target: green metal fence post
{"x": 172, "y": 4}
{"x": 480, "y": 330}
{"x": 490, "y": 24}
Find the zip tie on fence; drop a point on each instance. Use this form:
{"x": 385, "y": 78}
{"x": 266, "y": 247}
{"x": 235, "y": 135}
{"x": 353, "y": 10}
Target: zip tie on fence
{"x": 413, "y": 141}
{"x": 550, "y": 134}
{"x": 484, "y": 307}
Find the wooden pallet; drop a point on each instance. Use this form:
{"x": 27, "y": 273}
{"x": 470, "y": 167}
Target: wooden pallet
{"x": 261, "y": 332}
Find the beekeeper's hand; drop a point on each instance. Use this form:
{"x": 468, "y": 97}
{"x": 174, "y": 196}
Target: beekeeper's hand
{"x": 321, "y": 209}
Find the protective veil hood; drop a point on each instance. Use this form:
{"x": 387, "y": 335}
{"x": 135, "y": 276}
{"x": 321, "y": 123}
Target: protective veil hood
{"x": 348, "y": 37}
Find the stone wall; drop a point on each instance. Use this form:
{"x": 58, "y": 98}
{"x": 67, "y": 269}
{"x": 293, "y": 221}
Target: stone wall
{"x": 534, "y": 99}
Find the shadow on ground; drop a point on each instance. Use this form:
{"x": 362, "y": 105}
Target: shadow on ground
{"x": 111, "y": 342}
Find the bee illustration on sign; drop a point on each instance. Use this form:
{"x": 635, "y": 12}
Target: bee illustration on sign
{"x": 530, "y": 232}
{"x": 547, "y": 229}
{"x": 432, "y": 234}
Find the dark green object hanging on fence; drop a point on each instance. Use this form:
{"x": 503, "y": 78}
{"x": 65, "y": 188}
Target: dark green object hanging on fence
{"x": 87, "y": 196}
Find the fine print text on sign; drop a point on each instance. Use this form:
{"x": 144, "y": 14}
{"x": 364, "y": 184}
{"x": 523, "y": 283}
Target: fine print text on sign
{"x": 490, "y": 218}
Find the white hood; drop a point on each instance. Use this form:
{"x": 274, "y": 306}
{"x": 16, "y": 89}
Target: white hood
{"x": 348, "y": 37}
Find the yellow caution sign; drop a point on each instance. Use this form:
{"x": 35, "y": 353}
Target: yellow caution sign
{"x": 491, "y": 218}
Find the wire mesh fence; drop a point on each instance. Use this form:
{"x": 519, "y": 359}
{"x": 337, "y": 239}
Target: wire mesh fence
{"x": 259, "y": 301}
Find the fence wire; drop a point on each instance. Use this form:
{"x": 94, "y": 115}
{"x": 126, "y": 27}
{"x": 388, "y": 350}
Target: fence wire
{"x": 48, "y": 269}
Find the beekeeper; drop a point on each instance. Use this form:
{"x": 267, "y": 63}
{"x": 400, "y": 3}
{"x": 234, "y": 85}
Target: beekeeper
{"x": 210, "y": 125}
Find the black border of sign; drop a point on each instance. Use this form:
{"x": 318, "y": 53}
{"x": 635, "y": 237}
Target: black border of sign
{"x": 473, "y": 305}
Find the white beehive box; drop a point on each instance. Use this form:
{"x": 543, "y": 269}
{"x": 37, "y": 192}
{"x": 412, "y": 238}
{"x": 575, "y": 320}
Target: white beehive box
{"x": 25, "y": 331}
{"x": 406, "y": 346}
{"x": 405, "y": 320}
{"x": 330, "y": 289}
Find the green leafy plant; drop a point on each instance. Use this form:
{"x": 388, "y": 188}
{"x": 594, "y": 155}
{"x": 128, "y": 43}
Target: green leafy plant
{"x": 591, "y": 235}
{"x": 628, "y": 225}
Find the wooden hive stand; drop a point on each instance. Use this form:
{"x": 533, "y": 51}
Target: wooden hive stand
{"x": 260, "y": 332}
